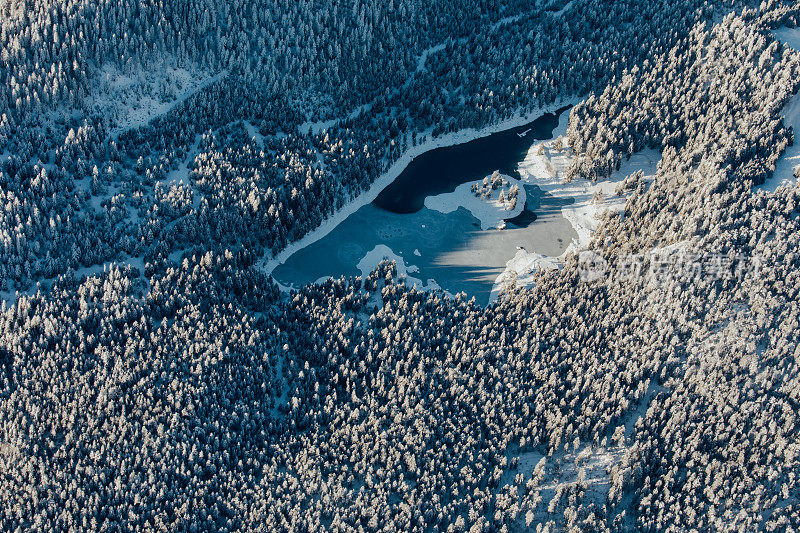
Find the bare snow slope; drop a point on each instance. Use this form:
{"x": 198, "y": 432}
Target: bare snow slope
{"x": 133, "y": 99}
{"x": 789, "y": 161}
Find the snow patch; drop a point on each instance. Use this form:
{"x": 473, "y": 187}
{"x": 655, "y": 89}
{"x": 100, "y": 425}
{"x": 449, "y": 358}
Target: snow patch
{"x": 563, "y": 10}
{"x": 670, "y": 249}
{"x": 551, "y": 8}
{"x": 312, "y": 128}
{"x": 520, "y": 271}
{"x": 423, "y": 57}
{"x": 789, "y": 161}
{"x": 253, "y": 132}
{"x": 545, "y": 166}
{"x": 504, "y": 21}
{"x": 488, "y": 207}
{"x": 589, "y": 468}
{"x": 180, "y": 175}
{"x": 563, "y": 123}
{"x": 133, "y": 99}
{"x": 382, "y": 252}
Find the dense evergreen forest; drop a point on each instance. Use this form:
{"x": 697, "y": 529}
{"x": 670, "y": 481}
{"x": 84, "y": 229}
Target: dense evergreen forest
{"x": 153, "y": 377}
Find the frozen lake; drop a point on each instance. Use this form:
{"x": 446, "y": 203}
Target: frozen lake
{"x": 449, "y": 250}
{"x": 442, "y": 169}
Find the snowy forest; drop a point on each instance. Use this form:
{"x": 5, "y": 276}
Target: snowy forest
{"x": 153, "y": 376}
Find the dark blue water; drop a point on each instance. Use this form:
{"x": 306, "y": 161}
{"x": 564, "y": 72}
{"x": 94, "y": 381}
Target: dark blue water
{"x": 441, "y": 170}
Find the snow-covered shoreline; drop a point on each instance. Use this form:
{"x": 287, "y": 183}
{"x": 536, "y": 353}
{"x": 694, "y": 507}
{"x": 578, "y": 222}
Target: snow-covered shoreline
{"x": 545, "y": 166}
{"x": 383, "y": 181}
{"x": 382, "y": 252}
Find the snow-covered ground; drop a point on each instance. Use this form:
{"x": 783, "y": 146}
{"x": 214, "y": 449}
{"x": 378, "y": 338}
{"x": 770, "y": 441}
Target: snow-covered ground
{"x": 374, "y": 257}
{"x": 545, "y": 166}
{"x": 592, "y": 466}
{"x": 394, "y": 171}
{"x": 423, "y": 57}
{"x": 521, "y": 269}
{"x": 130, "y": 99}
{"x": 133, "y": 99}
{"x": 790, "y": 159}
{"x": 490, "y": 211}
{"x": 563, "y": 10}
{"x": 514, "y": 18}
{"x": 253, "y": 132}
{"x": 311, "y": 128}
{"x": 180, "y": 175}
{"x": 503, "y": 21}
